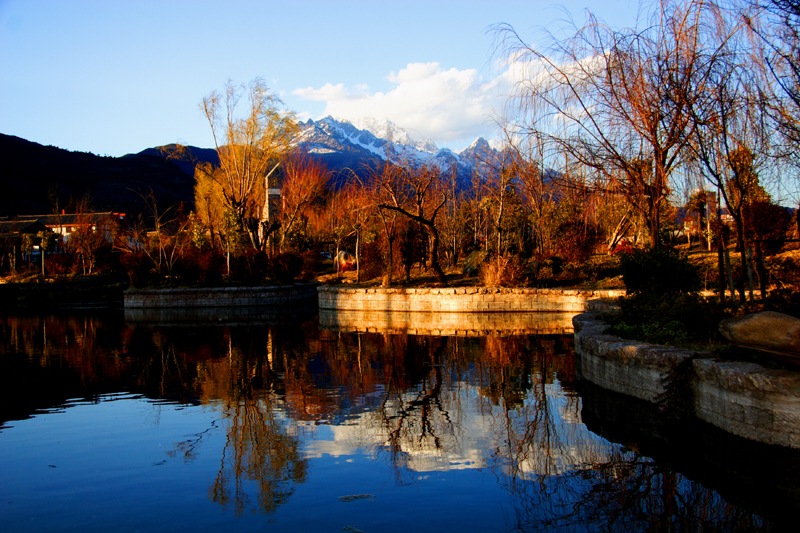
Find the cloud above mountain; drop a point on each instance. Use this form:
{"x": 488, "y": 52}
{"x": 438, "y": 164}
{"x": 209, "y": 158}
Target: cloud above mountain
{"x": 448, "y": 105}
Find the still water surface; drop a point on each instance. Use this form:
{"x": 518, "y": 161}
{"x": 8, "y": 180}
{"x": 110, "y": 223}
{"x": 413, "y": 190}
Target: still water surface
{"x": 108, "y": 424}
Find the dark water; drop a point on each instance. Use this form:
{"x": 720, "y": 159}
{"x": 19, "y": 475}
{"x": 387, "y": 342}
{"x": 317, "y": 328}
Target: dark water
{"x": 278, "y": 425}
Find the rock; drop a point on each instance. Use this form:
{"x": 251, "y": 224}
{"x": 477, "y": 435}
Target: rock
{"x": 767, "y": 331}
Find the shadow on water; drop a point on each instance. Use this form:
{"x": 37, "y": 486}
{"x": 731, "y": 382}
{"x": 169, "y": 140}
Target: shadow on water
{"x": 763, "y": 477}
{"x": 567, "y": 455}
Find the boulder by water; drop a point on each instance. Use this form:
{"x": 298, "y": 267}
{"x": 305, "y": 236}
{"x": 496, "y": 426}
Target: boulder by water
{"x": 767, "y": 331}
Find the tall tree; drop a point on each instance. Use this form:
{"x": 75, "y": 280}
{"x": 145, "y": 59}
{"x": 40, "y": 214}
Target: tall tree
{"x": 618, "y": 100}
{"x": 251, "y": 134}
{"x": 731, "y": 138}
{"x": 418, "y": 194}
{"x": 303, "y": 182}
{"x": 775, "y": 24}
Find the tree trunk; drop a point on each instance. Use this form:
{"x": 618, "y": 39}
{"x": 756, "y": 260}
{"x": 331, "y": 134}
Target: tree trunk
{"x": 654, "y": 225}
{"x": 721, "y": 268}
{"x": 740, "y": 242}
{"x": 433, "y": 253}
{"x": 761, "y": 270}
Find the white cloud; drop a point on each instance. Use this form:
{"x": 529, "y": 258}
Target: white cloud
{"x": 450, "y": 106}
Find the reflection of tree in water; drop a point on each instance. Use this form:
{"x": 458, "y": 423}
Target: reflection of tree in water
{"x": 260, "y": 447}
{"x": 413, "y": 421}
{"x": 623, "y": 491}
{"x": 424, "y": 403}
{"x": 564, "y": 477}
{"x": 521, "y": 372}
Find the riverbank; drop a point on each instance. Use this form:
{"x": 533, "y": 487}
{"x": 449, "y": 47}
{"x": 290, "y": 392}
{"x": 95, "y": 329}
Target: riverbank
{"x": 278, "y": 296}
{"x": 89, "y": 292}
{"x": 742, "y": 398}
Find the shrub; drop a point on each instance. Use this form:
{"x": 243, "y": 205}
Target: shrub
{"x": 658, "y": 273}
{"x": 784, "y": 271}
{"x": 663, "y": 305}
{"x": 200, "y": 267}
{"x": 371, "y": 261}
{"x": 503, "y": 271}
{"x": 285, "y": 267}
{"x": 548, "y": 269}
{"x": 673, "y": 319}
{"x": 312, "y": 263}
{"x": 576, "y": 241}
{"x": 768, "y": 223}
{"x": 252, "y": 266}
{"x": 139, "y": 269}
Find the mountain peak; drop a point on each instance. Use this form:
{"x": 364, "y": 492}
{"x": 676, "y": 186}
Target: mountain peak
{"x": 373, "y": 142}
{"x": 385, "y": 129}
{"x": 479, "y": 144}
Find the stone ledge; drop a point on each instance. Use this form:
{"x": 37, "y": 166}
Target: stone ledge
{"x": 458, "y": 299}
{"x": 220, "y": 296}
{"x": 744, "y": 399}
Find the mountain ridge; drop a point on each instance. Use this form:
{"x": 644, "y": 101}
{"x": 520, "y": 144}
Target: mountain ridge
{"x": 39, "y": 179}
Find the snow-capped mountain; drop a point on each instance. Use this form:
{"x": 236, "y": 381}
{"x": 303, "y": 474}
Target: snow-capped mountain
{"x": 388, "y": 130}
{"x": 341, "y": 144}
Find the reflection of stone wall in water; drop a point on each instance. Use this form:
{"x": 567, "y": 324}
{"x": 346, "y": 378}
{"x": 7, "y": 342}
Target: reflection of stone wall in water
{"x": 447, "y": 324}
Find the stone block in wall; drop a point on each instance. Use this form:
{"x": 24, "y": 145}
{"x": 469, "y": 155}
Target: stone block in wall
{"x": 741, "y": 398}
{"x": 748, "y": 400}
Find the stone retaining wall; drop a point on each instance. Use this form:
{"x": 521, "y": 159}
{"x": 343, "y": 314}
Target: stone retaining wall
{"x": 305, "y": 293}
{"x": 458, "y": 299}
{"x": 744, "y": 399}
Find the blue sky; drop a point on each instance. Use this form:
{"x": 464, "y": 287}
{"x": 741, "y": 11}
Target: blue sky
{"x": 114, "y": 77}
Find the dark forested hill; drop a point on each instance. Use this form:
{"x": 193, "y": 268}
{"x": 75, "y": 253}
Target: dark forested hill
{"x": 38, "y": 179}
{"x": 33, "y": 177}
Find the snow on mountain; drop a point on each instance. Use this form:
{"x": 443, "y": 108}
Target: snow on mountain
{"x": 376, "y": 141}
{"x": 388, "y": 130}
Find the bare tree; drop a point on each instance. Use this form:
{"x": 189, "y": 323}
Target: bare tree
{"x": 418, "y": 194}
{"x": 618, "y": 101}
{"x": 732, "y": 139}
{"x": 775, "y": 26}
{"x": 159, "y": 235}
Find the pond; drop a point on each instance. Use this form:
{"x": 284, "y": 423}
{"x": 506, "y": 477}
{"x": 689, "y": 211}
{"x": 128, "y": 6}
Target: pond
{"x": 285, "y": 425}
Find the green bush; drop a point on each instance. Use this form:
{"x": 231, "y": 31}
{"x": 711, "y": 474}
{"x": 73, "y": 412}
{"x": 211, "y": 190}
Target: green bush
{"x": 663, "y": 305}
{"x": 668, "y": 319}
{"x": 673, "y": 332}
{"x": 658, "y": 273}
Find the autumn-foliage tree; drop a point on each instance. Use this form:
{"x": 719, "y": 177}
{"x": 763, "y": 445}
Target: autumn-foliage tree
{"x": 251, "y": 133}
{"x": 303, "y": 185}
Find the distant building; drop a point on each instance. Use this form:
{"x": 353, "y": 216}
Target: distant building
{"x": 14, "y": 229}
{"x": 65, "y": 224}
{"x": 12, "y": 236}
